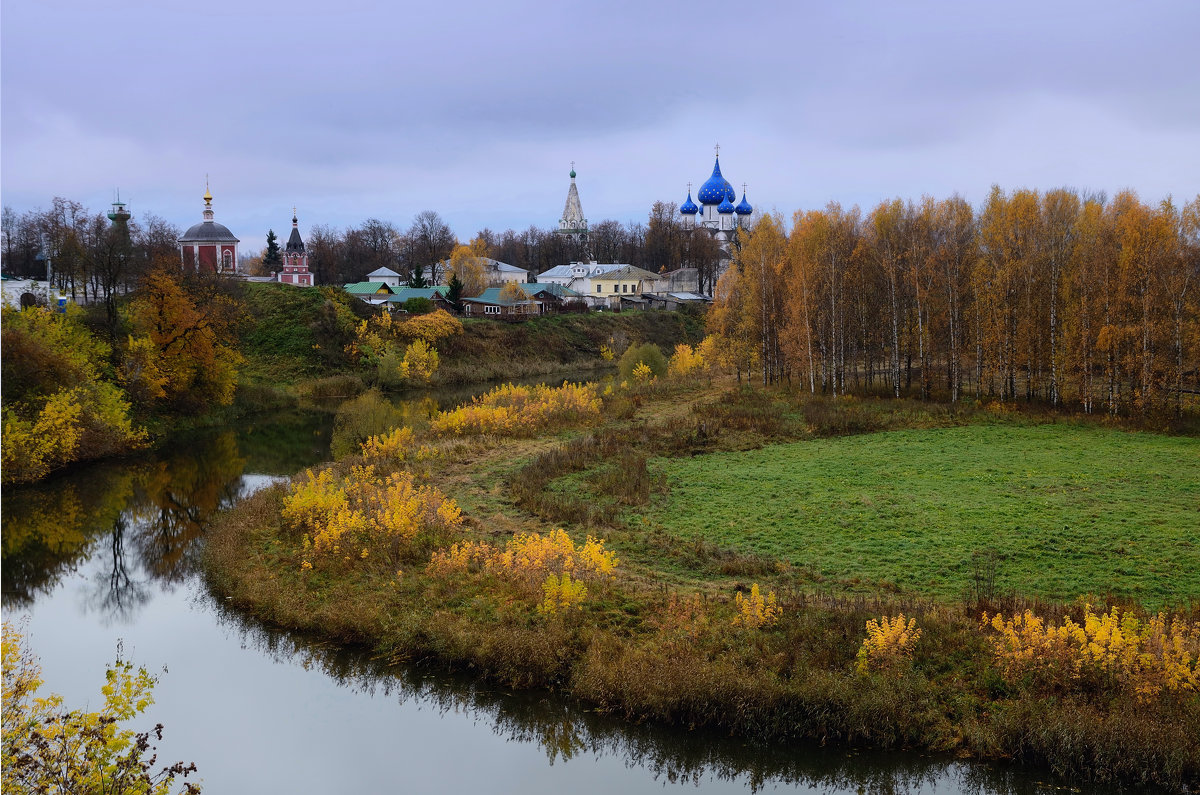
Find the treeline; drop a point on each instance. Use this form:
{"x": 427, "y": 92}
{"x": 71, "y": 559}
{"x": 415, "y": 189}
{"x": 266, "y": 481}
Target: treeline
{"x": 91, "y": 257}
{"x": 1058, "y": 297}
{"x": 345, "y": 256}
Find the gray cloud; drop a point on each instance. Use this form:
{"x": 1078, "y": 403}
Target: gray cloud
{"x": 354, "y": 109}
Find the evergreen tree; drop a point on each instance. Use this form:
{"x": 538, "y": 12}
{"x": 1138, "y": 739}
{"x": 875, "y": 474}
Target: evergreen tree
{"x": 454, "y": 289}
{"x": 272, "y": 261}
{"x": 417, "y": 277}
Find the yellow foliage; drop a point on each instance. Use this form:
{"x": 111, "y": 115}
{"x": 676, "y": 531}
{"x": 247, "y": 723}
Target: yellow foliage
{"x": 513, "y": 292}
{"x": 1142, "y": 657}
{"x": 364, "y": 513}
{"x": 420, "y": 361}
{"x": 606, "y": 353}
{"x": 521, "y": 410}
{"x": 642, "y": 373}
{"x": 397, "y": 446}
{"x": 531, "y": 561}
{"x": 756, "y": 610}
{"x": 686, "y": 362}
{"x": 430, "y": 327}
{"x": 889, "y": 644}
{"x": 48, "y": 748}
{"x": 561, "y": 594}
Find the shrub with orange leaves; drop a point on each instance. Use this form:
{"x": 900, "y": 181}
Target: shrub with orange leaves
{"x": 888, "y": 645}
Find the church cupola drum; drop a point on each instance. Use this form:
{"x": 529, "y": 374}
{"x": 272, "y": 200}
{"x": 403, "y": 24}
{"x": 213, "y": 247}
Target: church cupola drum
{"x": 209, "y": 247}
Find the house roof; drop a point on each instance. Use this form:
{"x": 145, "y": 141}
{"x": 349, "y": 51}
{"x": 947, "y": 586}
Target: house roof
{"x": 627, "y": 272}
{"x": 550, "y": 287}
{"x": 492, "y": 296}
{"x": 402, "y": 294}
{"x": 367, "y": 288}
{"x": 381, "y": 272}
{"x": 686, "y": 296}
{"x": 503, "y": 267}
{"x": 590, "y": 269}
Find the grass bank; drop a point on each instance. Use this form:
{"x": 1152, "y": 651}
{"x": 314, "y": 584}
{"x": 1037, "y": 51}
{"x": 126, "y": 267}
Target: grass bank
{"x": 296, "y": 339}
{"x": 683, "y": 631}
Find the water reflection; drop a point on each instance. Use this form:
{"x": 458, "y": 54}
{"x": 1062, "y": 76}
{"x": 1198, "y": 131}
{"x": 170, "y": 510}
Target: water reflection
{"x": 566, "y": 731}
{"x": 140, "y": 517}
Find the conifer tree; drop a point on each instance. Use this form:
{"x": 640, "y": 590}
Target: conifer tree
{"x": 272, "y": 260}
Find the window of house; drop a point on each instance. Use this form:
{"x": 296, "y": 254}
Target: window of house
{"x": 597, "y": 288}
{"x": 624, "y": 288}
{"x": 614, "y": 288}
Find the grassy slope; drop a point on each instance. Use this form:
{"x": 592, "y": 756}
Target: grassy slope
{"x": 491, "y": 350}
{"x": 295, "y": 334}
{"x": 1069, "y": 510}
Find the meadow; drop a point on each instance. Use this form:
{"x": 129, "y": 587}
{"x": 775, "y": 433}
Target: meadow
{"x": 1059, "y": 510}
{"x": 883, "y": 574}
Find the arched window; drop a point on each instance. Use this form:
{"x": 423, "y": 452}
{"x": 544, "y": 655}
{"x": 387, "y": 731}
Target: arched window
{"x": 227, "y": 261}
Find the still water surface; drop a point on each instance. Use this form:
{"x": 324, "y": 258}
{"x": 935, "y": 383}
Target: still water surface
{"x": 108, "y": 554}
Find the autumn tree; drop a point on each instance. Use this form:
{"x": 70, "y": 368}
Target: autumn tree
{"x": 470, "y": 268}
{"x": 192, "y": 338}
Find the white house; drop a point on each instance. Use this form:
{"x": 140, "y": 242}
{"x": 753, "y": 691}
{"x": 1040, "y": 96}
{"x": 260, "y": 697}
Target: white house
{"x": 385, "y": 275}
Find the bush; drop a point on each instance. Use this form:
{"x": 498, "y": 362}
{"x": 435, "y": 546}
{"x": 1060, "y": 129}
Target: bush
{"x": 367, "y": 415}
{"x": 418, "y": 306}
{"x": 648, "y": 354}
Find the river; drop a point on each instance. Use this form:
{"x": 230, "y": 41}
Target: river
{"x": 106, "y": 555}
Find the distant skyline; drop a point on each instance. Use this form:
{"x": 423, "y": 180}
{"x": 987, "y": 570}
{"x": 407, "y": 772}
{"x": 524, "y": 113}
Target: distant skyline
{"x": 350, "y": 111}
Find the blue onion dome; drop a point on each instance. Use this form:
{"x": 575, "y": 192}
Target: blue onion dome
{"x": 717, "y": 188}
{"x": 725, "y": 206}
{"x": 744, "y": 207}
{"x": 689, "y": 207}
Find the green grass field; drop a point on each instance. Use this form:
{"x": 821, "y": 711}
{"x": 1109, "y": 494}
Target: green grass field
{"x": 1068, "y": 510}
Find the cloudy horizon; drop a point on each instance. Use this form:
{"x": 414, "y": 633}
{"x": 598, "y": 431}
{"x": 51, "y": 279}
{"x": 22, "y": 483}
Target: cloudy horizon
{"x": 476, "y": 111}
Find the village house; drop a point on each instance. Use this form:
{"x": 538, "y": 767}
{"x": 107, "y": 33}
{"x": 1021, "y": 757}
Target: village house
{"x": 374, "y": 293}
{"x": 436, "y": 295}
{"x": 490, "y": 304}
{"x": 385, "y": 275}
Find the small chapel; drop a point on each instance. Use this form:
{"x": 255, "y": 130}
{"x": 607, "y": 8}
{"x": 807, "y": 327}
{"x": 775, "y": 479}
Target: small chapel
{"x": 295, "y": 259}
{"x": 209, "y": 247}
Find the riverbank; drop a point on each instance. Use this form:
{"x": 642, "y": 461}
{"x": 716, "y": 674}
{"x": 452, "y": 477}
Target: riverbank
{"x": 693, "y": 630}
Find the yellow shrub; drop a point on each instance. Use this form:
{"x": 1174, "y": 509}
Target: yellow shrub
{"x": 686, "y": 362}
{"x": 888, "y": 645}
{"x": 365, "y": 514}
{"x": 1108, "y": 649}
{"x": 642, "y": 373}
{"x": 529, "y": 561}
{"x": 397, "y": 446}
{"x": 420, "y": 361}
{"x": 755, "y": 610}
{"x": 561, "y": 594}
{"x": 510, "y": 410}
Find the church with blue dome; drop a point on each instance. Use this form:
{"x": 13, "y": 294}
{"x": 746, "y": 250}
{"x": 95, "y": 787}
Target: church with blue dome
{"x": 716, "y": 211}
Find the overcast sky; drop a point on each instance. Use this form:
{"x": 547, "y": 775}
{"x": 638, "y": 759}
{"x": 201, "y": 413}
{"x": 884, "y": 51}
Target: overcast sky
{"x": 350, "y": 110}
